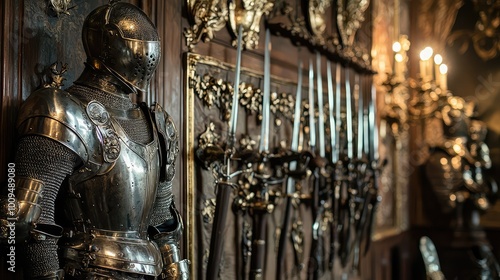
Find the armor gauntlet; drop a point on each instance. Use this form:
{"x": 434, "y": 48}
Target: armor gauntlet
{"x": 167, "y": 238}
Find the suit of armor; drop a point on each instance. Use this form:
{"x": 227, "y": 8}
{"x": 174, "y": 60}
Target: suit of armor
{"x": 94, "y": 170}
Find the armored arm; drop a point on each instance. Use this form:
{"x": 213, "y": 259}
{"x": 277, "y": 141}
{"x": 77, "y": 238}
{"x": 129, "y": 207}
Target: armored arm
{"x": 166, "y": 224}
{"x": 41, "y": 166}
{"x": 49, "y": 149}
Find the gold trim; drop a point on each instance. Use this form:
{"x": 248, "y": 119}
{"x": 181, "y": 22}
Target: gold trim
{"x": 189, "y": 151}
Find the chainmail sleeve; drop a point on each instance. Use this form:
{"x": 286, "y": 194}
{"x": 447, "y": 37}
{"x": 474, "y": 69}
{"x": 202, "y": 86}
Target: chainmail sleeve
{"x": 43, "y": 159}
{"x": 166, "y": 222}
{"x": 161, "y": 210}
{"x": 169, "y": 149}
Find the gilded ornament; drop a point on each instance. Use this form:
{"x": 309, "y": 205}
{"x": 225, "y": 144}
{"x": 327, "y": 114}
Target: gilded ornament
{"x": 316, "y": 10}
{"x": 248, "y": 13}
{"x": 208, "y": 17}
{"x": 59, "y": 7}
{"x": 56, "y": 75}
{"x": 350, "y": 16}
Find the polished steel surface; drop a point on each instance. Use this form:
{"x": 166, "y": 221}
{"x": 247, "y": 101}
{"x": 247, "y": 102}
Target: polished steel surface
{"x": 28, "y": 195}
{"x": 127, "y": 254}
{"x": 123, "y": 40}
{"x": 57, "y": 115}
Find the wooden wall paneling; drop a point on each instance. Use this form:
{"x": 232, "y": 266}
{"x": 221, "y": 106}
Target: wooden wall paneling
{"x": 11, "y": 13}
{"x": 11, "y": 53}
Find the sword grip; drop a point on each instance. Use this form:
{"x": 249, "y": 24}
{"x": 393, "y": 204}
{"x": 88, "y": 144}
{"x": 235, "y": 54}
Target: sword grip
{"x": 258, "y": 245}
{"x": 282, "y": 240}
{"x": 217, "y": 239}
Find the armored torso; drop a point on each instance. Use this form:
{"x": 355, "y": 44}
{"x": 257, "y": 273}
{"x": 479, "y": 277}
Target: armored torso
{"x": 109, "y": 198}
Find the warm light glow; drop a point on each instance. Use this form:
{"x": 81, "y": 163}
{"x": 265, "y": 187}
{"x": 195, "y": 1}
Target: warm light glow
{"x": 438, "y": 59}
{"x": 443, "y": 69}
{"x": 426, "y": 53}
{"x": 398, "y": 57}
{"x": 396, "y": 47}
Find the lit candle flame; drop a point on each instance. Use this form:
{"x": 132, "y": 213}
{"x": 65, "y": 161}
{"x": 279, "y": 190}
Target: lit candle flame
{"x": 396, "y": 47}
{"x": 399, "y": 57}
{"x": 426, "y": 53}
{"x": 438, "y": 59}
{"x": 443, "y": 69}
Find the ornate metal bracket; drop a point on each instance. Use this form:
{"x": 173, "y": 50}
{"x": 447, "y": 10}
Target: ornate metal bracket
{"x": 208, "y": 17}
{"x": 350, "y": 15}
{"x": 58, "y": 7}
{"x": 248, "y": 13}
{"x": 316, "y": 20}
{"x": 56, "y": 78}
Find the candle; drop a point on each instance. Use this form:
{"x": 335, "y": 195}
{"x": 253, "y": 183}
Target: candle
{"x": 443, "y": 70}
{"x": 425, "y": 64}
{"x": 438, "y": 59}
{"x": 396, "y": 48}
{"x": 399, "y": 65}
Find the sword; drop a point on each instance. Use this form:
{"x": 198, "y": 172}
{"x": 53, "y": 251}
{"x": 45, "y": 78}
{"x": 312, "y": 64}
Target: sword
{"x": 312, "y": 125}
{"x": 345, "y": 211}
{"x": 224, "y": 187}
{"x": 375, "y": 198}
{"x": 316, "y": 266}
{"x": 290, "y": 186}
{"x": 260, "y": 204}
{"x": 334, "y": 156}
{"x": 339, "y": 166}
{"x": 359, "y": 136}
{"x": 363, "y": 196}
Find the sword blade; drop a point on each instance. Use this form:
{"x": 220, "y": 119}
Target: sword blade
{"x": 264, "y": 134}
{"x": 321, "y": 117}
{"x": 360, "y": 117}
{"x": 338, "y": 105}
{"x": 234, "y": 108}
{"x": 330, "y": 109}
{"x": 373, "y": 125}
{"x": 348, "y": 99}
{"x": 296, "y": 116}
{"x": 312, "y": 125}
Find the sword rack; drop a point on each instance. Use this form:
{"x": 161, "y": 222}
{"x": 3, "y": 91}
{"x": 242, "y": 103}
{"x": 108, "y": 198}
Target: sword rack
{"x": 260, "y": 196}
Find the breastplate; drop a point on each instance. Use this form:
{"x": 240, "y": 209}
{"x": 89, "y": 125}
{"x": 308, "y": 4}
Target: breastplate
{"x": 111, "y": 209}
